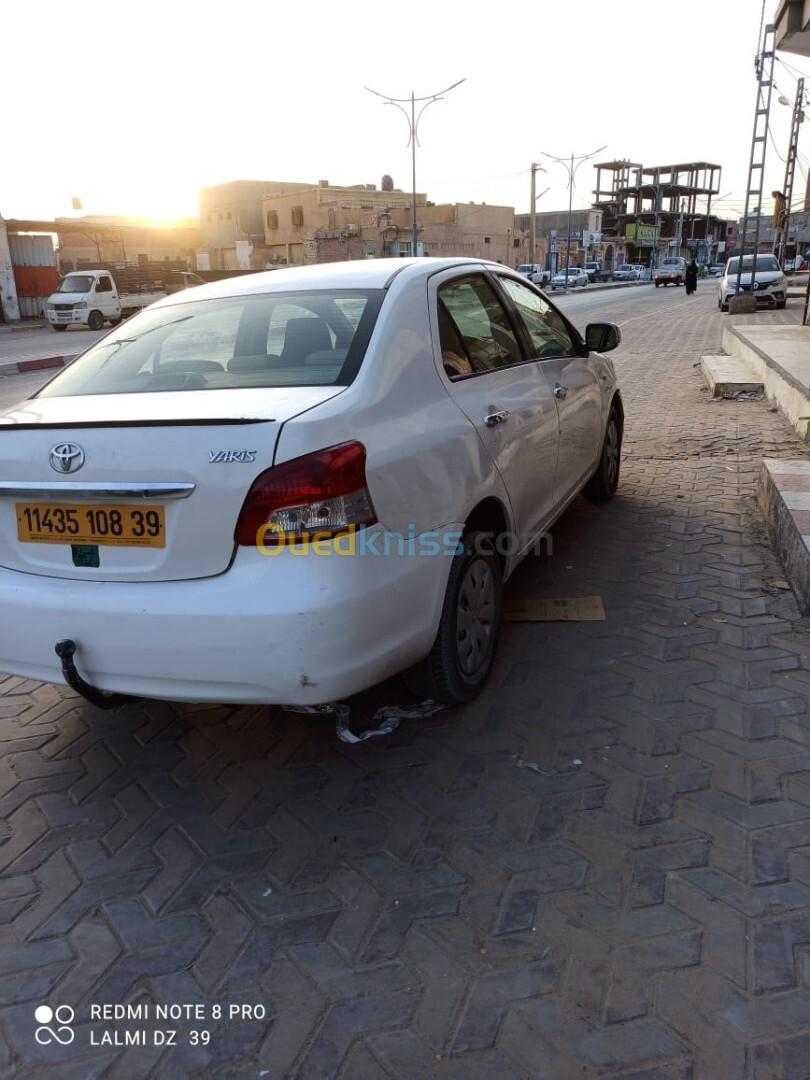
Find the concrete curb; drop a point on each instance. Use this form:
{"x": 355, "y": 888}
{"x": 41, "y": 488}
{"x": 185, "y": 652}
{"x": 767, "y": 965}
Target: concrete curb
{"x": 28, "y": 324}
{"x": 597, "y": 288}
{"x": 42, "y": 363}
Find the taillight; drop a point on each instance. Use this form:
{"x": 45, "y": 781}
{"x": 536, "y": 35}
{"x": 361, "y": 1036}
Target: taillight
{"x": 311, "y": 497}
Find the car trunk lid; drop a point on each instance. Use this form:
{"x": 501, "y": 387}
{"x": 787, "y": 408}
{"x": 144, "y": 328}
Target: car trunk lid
{"x": 174, "y": 466}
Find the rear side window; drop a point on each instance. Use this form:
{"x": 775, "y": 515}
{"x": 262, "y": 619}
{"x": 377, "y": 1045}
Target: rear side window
{"x": 482, "y": 327}
{"x": 283, "y": 339}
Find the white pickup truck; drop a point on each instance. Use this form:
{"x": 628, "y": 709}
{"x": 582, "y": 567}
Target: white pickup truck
{"x": 92, "y": 298}
{"x": 535, "y": 272}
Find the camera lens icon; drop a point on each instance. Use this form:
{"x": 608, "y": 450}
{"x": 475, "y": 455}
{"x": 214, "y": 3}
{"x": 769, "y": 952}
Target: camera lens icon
{"x": 62, "y": 1016}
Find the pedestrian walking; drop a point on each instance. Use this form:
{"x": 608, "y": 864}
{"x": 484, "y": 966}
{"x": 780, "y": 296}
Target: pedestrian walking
{"x": 691, "y": 278}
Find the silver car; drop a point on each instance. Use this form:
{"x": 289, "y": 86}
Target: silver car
{"x": 573, "y": 276}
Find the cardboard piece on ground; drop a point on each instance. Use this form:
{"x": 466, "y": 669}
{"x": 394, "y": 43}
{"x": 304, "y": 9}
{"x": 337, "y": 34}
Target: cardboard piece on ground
{"x": 566, "y": 609}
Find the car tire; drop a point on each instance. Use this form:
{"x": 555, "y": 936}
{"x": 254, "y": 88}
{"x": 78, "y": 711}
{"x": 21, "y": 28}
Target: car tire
{"x": 781, "y": 304}
{"x": 59, "y": 327}
{"x": 604, "y": 482}
{"x": 458, "y": 665}
{"x": 95, "y": 320}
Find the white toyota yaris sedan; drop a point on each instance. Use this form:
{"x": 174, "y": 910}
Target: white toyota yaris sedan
{"x": 287, "y": 487}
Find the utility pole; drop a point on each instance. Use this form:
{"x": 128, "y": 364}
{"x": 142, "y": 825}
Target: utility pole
{"x": 413, "y": 119}
{"x": 572, "y": 172}
{"x": 759, "y": 147}
{"x": 790, "y": 171}
{"x": 535, "y": 168}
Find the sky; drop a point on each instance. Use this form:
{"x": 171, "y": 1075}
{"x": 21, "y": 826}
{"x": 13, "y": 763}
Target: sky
{"x": 134, "y": 107}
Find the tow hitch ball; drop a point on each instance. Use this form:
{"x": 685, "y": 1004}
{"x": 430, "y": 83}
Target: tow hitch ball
{"x": 66, "y": 650}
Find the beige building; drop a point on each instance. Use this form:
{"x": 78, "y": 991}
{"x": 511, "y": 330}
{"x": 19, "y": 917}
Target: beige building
{"x": 231, "y": 222}
{"x": 335, "y": 222}
{"x": 112, "y": 239}
{"x": 326, "y": 224}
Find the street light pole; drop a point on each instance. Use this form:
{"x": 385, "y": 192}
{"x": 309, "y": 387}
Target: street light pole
{"x": 413, "y": 119}
{"x": 570, "y": 209}
{"x": 572, "y": 172}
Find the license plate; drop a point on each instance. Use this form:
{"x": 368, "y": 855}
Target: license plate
{"x": 103, "y": 524}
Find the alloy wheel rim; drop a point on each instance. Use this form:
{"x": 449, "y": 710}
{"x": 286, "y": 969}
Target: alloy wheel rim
{"x": 475, "y": 618}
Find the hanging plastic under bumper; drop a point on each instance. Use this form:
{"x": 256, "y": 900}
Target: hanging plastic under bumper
{"x": 66, "y": 650}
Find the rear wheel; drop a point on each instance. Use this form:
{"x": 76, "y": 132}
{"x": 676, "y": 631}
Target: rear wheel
{"x": 458, "y": 665}
{"x": 602, "y": 485}
{"x": 95, "y": 320}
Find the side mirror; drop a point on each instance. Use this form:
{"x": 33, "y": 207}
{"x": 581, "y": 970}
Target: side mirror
{"x": 602, "y": 337}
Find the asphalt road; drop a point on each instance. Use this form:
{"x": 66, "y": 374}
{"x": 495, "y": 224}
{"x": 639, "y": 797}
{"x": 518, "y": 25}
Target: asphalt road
{"x": 30, "y": 344}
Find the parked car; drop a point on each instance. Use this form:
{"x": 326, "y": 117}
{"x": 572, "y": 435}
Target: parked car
{"x": 642, "y": 270}
{"x": 770, "y": 286}
{"x": 572, "y": 277}
{"x": 717, "y": 270}
{"x": 289, "y": 486}
{"x": 535, "y": 272}
{"x": 672, "y": 271}
{"x": 625, "y": 273}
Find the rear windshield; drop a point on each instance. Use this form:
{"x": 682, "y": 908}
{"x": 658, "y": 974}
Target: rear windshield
{"x": 282, "y": 339}
{"x": 767, "y": 263}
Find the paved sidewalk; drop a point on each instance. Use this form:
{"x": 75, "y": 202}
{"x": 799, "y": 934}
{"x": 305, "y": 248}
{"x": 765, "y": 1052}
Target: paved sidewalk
{"x": 599, "y": 870}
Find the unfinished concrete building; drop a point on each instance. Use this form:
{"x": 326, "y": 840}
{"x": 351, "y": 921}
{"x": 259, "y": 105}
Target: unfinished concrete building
{"x": 655, "y": 208}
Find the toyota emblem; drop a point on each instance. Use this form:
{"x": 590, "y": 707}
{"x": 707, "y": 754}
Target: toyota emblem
{"x": 66, "y": 457}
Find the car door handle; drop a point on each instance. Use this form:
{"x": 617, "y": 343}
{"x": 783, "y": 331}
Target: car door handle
{"x": 495, "y": 418}
{"x": 560, "y": 391}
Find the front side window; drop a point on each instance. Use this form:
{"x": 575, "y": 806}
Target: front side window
{"x": 549, "y": 334}
{"x": 284, "y": 339}
{"x": 482, "y": 325}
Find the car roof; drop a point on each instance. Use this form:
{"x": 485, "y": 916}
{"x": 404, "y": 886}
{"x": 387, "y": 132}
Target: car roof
{"x": 357, "y": 274}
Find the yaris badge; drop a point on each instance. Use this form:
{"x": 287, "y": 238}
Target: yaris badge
{"x": 66, "y": 457}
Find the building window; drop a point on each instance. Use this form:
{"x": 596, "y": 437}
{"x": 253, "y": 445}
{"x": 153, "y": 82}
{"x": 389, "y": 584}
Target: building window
{"x": 516, "y": 243}
{"x": 297, "y": 216}
{"x": 272, "y": 219}
{"x": 486, "y": 239}
{"x": 405, "y": 248}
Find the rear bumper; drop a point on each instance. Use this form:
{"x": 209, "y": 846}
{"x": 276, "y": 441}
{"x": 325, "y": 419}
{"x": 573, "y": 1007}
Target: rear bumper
{"x": 290, "y": 629}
